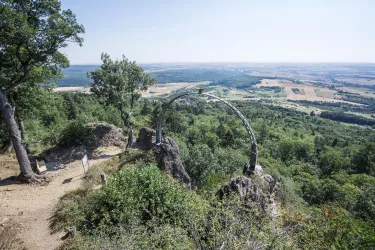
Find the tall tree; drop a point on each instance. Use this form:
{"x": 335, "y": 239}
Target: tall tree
{"x": 119, "y": 83}
{"x": 31, "y": 33}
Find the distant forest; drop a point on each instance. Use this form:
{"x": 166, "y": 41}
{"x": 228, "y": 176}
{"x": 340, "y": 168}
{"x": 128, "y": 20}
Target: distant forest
{"x": 76, "y": 76}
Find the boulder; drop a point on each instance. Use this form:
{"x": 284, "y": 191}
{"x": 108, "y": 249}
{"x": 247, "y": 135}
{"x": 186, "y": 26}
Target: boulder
{"x": 246, "y": 189}
{"x": 102, "y": 135}
{"x": 170, "y": 162}
{"x": 105, "y": 135}
{"x": 146, "y": 139}
{"x": 256, "y": 191}
{"x": 267, "y": 182}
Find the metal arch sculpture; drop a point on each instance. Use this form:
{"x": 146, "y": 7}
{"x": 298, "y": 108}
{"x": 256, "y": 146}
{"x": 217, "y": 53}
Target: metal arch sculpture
{"x": 250, "y": 167}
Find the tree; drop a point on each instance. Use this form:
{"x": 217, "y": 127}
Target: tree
{"x": 147, "y": 108}
{"x": 31, "y": 32}
{"x": 119, "y": 83}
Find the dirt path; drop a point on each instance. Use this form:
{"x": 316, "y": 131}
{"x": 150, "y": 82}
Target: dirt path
{"x": 31, "y": 206}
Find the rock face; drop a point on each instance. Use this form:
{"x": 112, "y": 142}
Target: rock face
{"x": 146, "y": 139}
{"x": 245, "y": 188}
{"x": 255, "y": 191}
{"x": 102, "y": 135}
{"x": 105, "y": 135}
{"x": 170, "y": 162}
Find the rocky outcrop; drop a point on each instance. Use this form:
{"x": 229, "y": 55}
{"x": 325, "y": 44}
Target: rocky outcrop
{"x": 146, "y": 139}
{"x": 246, "y": 189}
{"x": 170, "y": 162}
{"x": 101, "y": 135}
{"x": 256, "y": 191}
{"x": 105, "y": 135}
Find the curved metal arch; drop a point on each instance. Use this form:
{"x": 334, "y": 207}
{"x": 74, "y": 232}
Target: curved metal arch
{"x": 253, "y": 147}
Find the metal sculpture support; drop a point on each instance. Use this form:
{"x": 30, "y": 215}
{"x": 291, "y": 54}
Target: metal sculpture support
{"x": 250, "y": 167}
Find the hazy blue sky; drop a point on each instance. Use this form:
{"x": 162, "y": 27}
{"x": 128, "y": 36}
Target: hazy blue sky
{"x": 225, "y": 30}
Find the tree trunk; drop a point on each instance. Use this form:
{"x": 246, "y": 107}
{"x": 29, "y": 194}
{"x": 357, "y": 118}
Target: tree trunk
{"x": 130, "y": 136}
{"x": 15, "y": 136}
{"x": 22, "y": 129}
{"x": 24, "y": 135}
{"x": 130, "y": 124}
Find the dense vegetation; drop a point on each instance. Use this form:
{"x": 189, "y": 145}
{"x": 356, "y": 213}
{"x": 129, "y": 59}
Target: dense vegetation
{"x": 337, "y": 106}
{"x": 193, "y": 75}
{"x": 348, "y": 118}
{"x": 239, "y": 81}
{"x": 76, "y": 75}
{"x": 326, "y": 171}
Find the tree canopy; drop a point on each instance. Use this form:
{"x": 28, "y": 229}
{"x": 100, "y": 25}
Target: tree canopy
{"x": 31, "y": 34}
{"x": 119, "y": 83}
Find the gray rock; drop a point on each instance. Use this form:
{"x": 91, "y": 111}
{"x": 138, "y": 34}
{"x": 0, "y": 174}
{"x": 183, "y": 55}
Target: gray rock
{"x": 256, "y": 191}
{"x": 170, "y": 162}
{"x": 246, "y": 189}
{"x": 146, "y": 139}
{"x": 105, "y": 135}
{"x": 271, "y": 182}
{"x": 102, "y": 135}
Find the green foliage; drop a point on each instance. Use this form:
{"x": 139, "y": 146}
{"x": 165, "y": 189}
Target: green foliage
{"x": 192, "y": 75}
{"x": 332, "y": 160}
{"x": 201, "y": 163}
{"x": 134, "y": 238}
{"x": 331, "y": 227}
{"x": 349, "y": 118}
{"x": 31, "y": 34}
{"x": 333, "y": 164}
{"x": 75, "y": 134}
{"x": 365, "y": 202}
{"x": 148, "y": 197}
{"x": 139, "y": 207}
{"x": 119, "y": 83}
{"x": 71, "y": 210}
{"x": 240, "y": 81}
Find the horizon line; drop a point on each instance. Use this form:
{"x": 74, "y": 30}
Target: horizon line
{"x": 233, "y": 62}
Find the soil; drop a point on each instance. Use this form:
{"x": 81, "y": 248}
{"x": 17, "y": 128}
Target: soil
{"x": 30, "y": 207}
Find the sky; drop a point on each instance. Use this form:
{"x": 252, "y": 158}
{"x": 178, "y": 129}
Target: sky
{"x": 160, "y": 31}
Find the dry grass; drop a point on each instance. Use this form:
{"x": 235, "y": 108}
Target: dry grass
{"x": 92, "y": 177}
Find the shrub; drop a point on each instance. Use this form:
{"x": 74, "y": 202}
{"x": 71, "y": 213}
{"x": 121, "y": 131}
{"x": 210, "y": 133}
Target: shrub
{"x": 143, "y": 194}
{"x": 161, "y": 237}
{"x": 201, "y": 163}
{"x": 331, "y": 227}
{"x": 75, "y": 134}
{"x": 137, "y": 202}
{"x": 71, "y": 210}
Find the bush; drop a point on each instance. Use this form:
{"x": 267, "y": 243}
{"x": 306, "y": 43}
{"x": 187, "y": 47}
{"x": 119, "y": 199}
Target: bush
{"x": 149, "y": 196}
{"x": 365, "y": 202}
{"x": 161, "y": 237}
{"x": 230, "y": 160}
{"x": 331, "y": 227}
{"x": 75, "y": 134}
{"x": 201, "y": 163}
{"x": 136, "y": 198}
